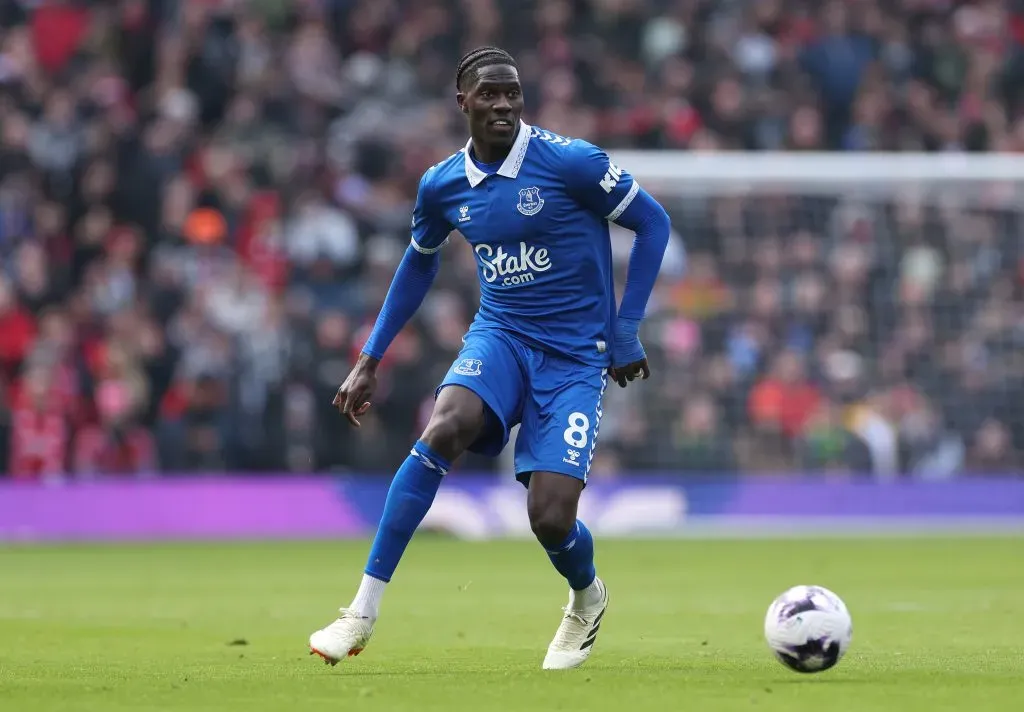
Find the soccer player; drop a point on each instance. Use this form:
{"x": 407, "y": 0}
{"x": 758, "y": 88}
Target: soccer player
{"x": 535, "y": 207}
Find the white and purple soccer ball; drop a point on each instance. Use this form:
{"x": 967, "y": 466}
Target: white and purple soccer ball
{"x": 808, "y": 628}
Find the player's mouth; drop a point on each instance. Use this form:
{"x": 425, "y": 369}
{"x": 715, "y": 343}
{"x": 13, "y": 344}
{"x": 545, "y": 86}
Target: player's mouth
{"x": 502, "y": 125}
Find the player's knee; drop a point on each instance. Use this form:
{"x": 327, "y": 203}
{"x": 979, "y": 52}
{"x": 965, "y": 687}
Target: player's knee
{"x": 551, "y": 522}
{"x": 456, "y": 422}
{"x": 449, "y": 434}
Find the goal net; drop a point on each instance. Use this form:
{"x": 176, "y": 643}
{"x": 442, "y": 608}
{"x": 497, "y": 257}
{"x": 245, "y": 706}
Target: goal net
{"x": 859, "y": 315}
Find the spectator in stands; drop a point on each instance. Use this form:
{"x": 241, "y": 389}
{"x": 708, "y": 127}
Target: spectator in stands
{"x": 40, "y": 432}
{"x": 785, "y": 399}
{"x": 700, "y": 445}
{"x": 992, "y": 451}
{"x": 828, "y": 447}
{"x": 17, "y": 330}
{"x": 116, "y": 444}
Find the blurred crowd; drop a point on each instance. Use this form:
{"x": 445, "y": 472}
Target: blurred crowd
{"x": 202, "y": 203}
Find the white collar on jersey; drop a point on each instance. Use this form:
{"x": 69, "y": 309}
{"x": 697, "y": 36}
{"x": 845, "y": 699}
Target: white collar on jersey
{"x": 513, "y": 162}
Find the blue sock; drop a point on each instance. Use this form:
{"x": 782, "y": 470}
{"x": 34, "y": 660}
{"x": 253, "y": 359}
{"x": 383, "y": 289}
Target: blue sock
{"x": 409, "y": 497}
{"x": 574, "y": 559}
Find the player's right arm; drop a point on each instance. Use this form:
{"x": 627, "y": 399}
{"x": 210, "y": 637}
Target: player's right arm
{"x": 412, "y": 281}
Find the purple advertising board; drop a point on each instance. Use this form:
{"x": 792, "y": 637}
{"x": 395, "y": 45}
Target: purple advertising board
{"x": 482, "y": 507}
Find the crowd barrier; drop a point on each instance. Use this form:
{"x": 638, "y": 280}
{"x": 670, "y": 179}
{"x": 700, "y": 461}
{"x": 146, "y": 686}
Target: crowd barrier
{"x": 302, "y": 507}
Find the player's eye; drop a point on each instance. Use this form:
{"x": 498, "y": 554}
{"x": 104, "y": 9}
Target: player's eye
{"x": 514, "y": 94}
{"x": 486, "y": 94}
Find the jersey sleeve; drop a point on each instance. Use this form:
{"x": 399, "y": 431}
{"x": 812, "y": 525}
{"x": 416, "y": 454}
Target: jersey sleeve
{"x": 596, "y": 183}
{"x": 430, "y": 230}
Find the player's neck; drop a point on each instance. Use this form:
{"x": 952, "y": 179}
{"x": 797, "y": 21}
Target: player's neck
{"x": 492, "y": 153}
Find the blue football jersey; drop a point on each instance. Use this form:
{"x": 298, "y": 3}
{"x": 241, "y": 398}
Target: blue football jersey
{"x": 539, "y": 230}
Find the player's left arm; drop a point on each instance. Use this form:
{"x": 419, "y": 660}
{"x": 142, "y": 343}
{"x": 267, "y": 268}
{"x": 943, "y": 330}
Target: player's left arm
{"x": 611, "y": 192}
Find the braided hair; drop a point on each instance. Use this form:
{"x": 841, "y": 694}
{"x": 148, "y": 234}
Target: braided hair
{"x": 471, "y": 63}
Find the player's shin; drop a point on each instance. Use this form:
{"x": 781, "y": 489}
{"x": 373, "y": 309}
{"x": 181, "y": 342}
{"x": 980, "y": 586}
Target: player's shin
{"x": 409, "y": 498}
{"x": 574, "y": 559}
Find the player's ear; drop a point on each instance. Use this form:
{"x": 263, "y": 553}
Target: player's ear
{"x": 461, "y": 99}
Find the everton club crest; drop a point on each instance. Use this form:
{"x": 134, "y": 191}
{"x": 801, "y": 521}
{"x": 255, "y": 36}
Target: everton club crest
{"x": 530, "y": 201}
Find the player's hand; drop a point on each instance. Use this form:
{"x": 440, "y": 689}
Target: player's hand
{"x": 353, "y": 397}
{"x": 624, "y": 374}
{"x": 629, "y": 359}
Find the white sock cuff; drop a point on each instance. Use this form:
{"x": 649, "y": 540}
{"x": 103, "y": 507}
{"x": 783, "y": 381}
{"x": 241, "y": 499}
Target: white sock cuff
{"x": 367, "y": 600}
{"x": 588, "y": 597}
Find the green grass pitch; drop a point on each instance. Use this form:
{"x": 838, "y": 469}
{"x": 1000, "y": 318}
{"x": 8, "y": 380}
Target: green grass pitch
{"x": 938, "y": 625}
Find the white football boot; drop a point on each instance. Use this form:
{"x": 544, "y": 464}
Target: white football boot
{"x": 345, "y": 637}
{"x": 574, "y": 639}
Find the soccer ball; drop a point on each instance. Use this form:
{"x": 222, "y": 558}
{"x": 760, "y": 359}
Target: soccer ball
{"x": 808, "y": 628}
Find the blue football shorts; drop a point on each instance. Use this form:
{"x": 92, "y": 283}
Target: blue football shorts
{"x": 555, "y": 401}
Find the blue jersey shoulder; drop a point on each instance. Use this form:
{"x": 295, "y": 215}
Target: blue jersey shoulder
{"x": 590, "y": 175}
{"x": 550, "y": 138}
{"x": 444, "y": 171}
{"x": 430, "y": 227}
{"x": 559, "y": 154}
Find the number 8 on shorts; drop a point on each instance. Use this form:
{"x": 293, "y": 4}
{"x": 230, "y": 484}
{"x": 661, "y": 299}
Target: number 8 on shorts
{"x": 576, "y": 435}
{"x": 561, "y": 421}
